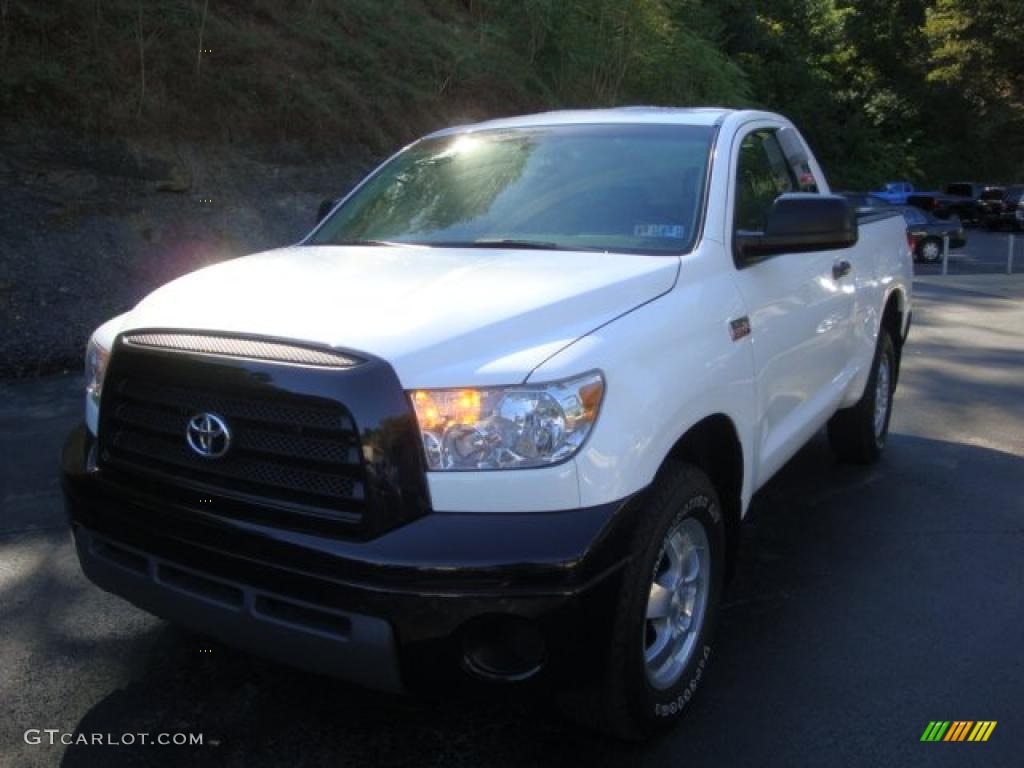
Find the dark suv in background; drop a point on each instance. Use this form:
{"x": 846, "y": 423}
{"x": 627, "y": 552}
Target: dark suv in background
{"x": 1005, "y": 210}
{"x": 961, "y": 199}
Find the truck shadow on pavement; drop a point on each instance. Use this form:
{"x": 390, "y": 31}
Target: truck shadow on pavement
{"x": 845, "y": 575}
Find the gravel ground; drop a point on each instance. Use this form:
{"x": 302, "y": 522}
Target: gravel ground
{"x": 88, "y": 229}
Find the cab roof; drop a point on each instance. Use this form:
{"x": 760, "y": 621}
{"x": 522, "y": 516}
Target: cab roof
{"x": 667, "y": 115}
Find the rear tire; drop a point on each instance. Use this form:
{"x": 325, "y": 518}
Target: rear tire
{"x": 668, "y": 607}
{"x": 858, "y": 434}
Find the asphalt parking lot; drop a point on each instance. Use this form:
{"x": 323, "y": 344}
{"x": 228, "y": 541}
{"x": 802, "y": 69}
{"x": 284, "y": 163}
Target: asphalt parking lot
{"x": 867, "y": 603}
{"x": 985, "y": 253}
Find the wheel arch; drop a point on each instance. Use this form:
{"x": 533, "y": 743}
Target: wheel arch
{"x": 713, "y": 445}
{"x": 894, "y": 320}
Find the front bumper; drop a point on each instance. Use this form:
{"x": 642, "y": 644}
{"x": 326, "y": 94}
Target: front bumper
{"x": 393, "y": 612}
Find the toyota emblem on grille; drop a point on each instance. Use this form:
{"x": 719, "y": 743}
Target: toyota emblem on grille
{"x": 208, "y": 435}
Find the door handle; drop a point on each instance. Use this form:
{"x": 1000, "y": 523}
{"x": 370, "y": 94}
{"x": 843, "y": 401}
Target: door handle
{"x": 841, "y": 268}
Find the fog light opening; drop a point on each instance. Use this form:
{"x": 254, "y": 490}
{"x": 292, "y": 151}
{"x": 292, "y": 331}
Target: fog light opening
{"x": 504, "y": 649}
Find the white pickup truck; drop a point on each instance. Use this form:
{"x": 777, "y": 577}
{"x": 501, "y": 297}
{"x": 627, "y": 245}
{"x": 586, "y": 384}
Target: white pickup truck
{"x": 496, "y": 420}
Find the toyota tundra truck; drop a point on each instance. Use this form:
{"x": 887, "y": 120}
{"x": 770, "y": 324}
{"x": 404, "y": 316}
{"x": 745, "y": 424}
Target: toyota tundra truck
{"x": 496, "y": 420}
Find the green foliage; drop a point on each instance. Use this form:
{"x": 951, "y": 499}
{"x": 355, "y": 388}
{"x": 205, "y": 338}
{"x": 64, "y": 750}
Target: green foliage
{"x": 919, "y": 89}
{"x": 604, "y": 52}
{"x": 975, "y": 52}
{"x": 353, "y": 72}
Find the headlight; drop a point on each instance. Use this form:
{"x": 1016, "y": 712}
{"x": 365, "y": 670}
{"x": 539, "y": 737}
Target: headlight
{"x": 507, "y": 427}
{"x": 96, "y": 359}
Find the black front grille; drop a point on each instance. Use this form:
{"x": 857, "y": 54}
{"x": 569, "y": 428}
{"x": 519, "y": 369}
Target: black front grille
{"x": 297, "y": 454}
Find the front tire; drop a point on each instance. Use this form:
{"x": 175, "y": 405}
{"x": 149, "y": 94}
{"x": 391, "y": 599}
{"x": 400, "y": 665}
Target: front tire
{"x": 668, "y": 606}
{"x": 858, "y": 434}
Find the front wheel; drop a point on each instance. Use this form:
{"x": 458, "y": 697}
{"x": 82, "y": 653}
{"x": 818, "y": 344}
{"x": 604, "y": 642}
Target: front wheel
{"x": 858, "y": 433}
{"x": 668, "y": 606}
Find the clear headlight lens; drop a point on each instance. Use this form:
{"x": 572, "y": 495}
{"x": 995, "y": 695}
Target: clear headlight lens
{"x": 96, "y": 359}
{"x": 507, "y": 427}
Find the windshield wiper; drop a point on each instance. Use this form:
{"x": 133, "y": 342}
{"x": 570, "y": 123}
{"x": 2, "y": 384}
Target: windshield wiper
{"x": 357, "y": 241}
{"x": 535, "y": 245}
{"x": 538, "y": 245}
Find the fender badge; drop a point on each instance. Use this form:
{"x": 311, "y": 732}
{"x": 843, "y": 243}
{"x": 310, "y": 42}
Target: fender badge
{"x": 739, "y": 328}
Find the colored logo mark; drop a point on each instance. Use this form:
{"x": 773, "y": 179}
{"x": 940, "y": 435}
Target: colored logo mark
{"x": 958, "y": 730}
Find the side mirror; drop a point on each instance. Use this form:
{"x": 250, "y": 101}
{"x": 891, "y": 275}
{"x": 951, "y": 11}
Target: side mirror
{"x": 798, "y": 223}
{"x": 326, "y": 206}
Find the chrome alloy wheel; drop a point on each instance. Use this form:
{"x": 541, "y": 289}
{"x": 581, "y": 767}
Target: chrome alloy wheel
{"x": 931, "y": 251}
{"x": 882, "y": 395}
{"x": 676, "y": 603}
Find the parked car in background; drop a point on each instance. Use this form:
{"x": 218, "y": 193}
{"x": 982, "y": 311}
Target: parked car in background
{"x": 867, "y": 203}
{"x": 895, "y": 192}
{"x": 1007, "y": 211}
{"x": 961, "y": 199}
{"x": 990, "y": 201}
{"x": 925, "y": 233}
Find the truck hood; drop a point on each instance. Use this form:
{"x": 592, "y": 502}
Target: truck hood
{"x": 440, "y": 316}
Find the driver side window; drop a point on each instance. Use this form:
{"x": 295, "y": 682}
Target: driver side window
{"x": 762, "y": 174}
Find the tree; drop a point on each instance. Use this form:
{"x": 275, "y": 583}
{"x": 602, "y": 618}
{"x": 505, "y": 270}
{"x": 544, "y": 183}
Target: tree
{"x": 976, "y": 50}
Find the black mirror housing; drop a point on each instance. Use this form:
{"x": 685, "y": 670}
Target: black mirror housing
{"x": 799, "y": 223}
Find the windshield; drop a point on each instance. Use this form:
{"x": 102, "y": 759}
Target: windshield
{"x": 634, "y": 188}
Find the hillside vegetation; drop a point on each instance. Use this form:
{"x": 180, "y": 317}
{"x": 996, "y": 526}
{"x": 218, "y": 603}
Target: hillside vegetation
{"x": 142, "y": 139}
{"x": 882, "y": 88}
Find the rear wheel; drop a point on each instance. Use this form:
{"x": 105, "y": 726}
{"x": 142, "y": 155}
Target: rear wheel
{"x": 858, "y": 433}
{"x": 668, "y": 607}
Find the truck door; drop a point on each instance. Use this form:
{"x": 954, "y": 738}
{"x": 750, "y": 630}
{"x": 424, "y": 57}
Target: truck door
{"x": 799, "y": 305}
